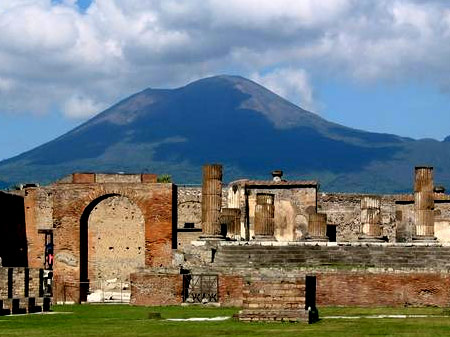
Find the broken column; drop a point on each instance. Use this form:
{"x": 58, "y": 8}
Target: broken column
{"x": 317, "y": 227}
{"x": 424, "y": 203}
{"x": 264, "y": 217}
{"x": 231, "y": 218}
{"x": 211, "y": 201}
{"x": 371, "y": 219}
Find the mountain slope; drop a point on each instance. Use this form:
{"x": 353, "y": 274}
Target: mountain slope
{"x": 236, "y": 122}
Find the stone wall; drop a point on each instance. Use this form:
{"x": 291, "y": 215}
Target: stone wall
{"x": 382, "y": 288}
{"x": 397, "y": 256}
{"x": 277, "y": 298}
{"x": 293, "y": 200}
{"x": 189, "y": 210}
{"x": 344, "y": 212}
{"x": 155, "y": 289}
{"x": 356, "y": 274}
{"x": 397, "y": 212}
{"x": 21, "y": 291}
{"x": 116, "y": 240}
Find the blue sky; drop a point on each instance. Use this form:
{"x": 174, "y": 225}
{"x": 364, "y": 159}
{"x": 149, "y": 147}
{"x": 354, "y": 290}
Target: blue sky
{"x": 379, "y": 65}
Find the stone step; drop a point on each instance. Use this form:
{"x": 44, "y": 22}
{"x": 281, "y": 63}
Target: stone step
{"x": 24, "y": 305}
{"x": 4, "y": 311}
{"x": 15, "y": 305}
{"x": 273, "y": 316}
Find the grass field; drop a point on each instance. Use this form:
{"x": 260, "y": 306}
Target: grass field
{"x": 124, "y": 320}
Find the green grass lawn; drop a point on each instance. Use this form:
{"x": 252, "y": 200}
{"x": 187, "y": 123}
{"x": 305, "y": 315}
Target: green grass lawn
{"x": 124, "y": 320}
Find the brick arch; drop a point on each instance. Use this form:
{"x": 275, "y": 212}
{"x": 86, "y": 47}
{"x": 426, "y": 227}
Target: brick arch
{"x": 71, "y": 202}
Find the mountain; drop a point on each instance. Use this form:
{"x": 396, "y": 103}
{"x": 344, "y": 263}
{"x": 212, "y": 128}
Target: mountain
{"x": 234, "y": 121}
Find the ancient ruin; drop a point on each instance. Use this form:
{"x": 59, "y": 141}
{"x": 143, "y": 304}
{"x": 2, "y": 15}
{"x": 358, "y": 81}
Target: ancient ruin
{"x": 273, "y": 247}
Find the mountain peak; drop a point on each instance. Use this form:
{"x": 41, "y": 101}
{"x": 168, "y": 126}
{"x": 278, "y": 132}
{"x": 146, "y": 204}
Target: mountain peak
{"x": 232, "y": 120}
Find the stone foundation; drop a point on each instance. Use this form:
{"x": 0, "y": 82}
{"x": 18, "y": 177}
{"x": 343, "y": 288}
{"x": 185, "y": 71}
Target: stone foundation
{"x": 21, "y": 291}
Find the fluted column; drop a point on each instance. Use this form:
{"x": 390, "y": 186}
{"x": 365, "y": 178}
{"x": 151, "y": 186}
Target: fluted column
{"x": 211, "y": 201}
{"x": 231, "y": 217}
{"x": 371, "y": 219}
{"x": 317, "y": 227}
{"x": 424, "y": 203}
{"x": 264, "y": 217}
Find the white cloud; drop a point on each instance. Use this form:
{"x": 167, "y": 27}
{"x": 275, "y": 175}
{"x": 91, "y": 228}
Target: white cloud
{"x": 50, "y": 53}
{"x": 292, "y": 84}
{"x": 81, "y": 107}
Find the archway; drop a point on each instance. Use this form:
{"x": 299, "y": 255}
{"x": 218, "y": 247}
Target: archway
{"x": 112, "y": 242}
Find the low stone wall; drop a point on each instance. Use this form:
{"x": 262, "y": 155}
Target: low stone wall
{"x": 382, "y": 288}
{"x": 348, "y": 274}
{"x": 21, "y": 290}
{"x": 156, "y": 288}
{"x": 274, "y": 299}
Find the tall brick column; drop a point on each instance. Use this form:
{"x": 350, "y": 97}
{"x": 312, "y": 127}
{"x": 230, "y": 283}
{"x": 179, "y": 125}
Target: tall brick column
{"x": 371, "y": 219}
{"x": 317, "y": 227}
{"x": 211, "y": 201}
{"x": 424, "y": 203}
{"x": 264, "y": 217}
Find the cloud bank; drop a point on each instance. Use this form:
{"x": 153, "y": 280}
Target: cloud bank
{"x": 54, "y": 56}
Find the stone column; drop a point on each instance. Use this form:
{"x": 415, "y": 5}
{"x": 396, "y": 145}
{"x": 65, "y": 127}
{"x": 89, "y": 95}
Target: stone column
{"x": 231, "y": 217}
{"x": 317, "y": 227}
{"x": 264, "y": 217}
{"x": 211, "y": 201}
{"x": 424, "y": 204}
{"x": 371, "y": 219}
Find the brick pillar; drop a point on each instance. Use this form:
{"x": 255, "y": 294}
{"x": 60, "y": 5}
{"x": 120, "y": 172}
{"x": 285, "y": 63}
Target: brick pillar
{"x": 424, "y": 204}
{"x": 211, "y": 201}
{"x": 371, "y": 219}
{"x": 231, "y": 217}
{"x": 264, "y": 217}
{"x": 317, "y": 227}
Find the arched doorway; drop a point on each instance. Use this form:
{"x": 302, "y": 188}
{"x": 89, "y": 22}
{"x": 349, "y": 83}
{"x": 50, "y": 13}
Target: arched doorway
{"x": 112, "y": 243}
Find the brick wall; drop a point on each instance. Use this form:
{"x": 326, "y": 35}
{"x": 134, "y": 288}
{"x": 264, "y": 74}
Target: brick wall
{"x": 116, "y": 233}
{"x": 71, "y": 202}
{"x": 231, "y": 290}
{"x": 369, "y": 289}
{"x": 18, "y": 282}
{"x": 154, "y": 289}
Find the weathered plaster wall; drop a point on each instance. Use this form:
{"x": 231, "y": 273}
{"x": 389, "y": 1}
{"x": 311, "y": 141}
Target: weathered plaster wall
{"x": 292, "y": 203}
{"x": 116, "y": 240}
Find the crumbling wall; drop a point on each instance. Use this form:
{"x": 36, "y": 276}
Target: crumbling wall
{"x": 442, "y": 221}
{"x": 344, "y": 211}
{"x": 189, "y": 210}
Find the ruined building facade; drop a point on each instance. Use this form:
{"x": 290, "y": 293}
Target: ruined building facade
{"x": 163, "y": 240}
